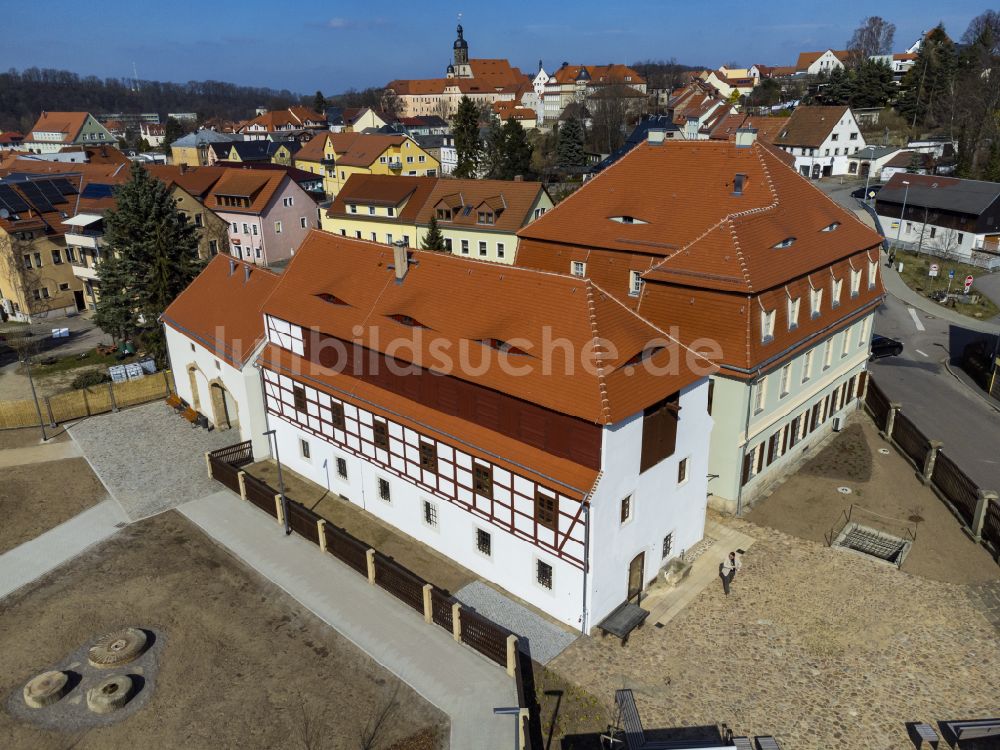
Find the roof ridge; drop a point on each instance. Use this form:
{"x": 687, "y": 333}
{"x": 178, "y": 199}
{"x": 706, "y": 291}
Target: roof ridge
{"x": 595, "y": 339}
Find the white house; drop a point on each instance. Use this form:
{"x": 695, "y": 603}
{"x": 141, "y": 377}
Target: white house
{"x": 827, "y": 61}
{"x": 822, "y": 139}
{"x": 426, "y": 389}
{"x": 214, "y": 332}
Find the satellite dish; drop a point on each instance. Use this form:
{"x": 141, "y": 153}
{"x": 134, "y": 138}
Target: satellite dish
{"x": 4, "y": 213}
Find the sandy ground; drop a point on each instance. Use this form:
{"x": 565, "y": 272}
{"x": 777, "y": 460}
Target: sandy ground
{"x": 807, "y": 505}
{"x": 37, "y": 497}
{"x": 23, "y": 438}
{"x": 243, "y": 664}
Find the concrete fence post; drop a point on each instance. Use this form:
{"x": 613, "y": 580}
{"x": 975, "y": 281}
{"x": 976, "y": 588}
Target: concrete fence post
{"x": 208, "y": 464}
{"x": 242, "y": 479}
{"x": 280, "y": 509}
{"x": 985, "y": 498}
{"x": 511, "y": 654}
{"x": 456, "y": 621}
{"x": 166, "y": 382}
{"x": 428, "y": 604}
{"x": 864, "y": 377}
{"x": 523, "y": 716}
{"x": 890, "y": 420}
{"x": 111, "y": 393}
{"x": 370, "y": 559}
{"x": 929, "y": 460}
{"x": 48, "y": 408}
{"x": 321, "y": 533}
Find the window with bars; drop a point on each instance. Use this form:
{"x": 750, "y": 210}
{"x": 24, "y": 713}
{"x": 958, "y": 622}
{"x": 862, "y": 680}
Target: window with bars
{"x": 428, "y": 456}
{"x": 342, "y": 468}
{"x": 430, "y": 513}
{"x": 543, "y": 574}
{"x": 484, "y": 542}
{"x": 668, "y": 545}
{"x": 545, "y": 511}
{"x": 682, "y": 471}
{"x": 483, "y": 480}
{"x": 299, "y": 396}
{"x": 384, "y": 491}
{"x": 381, "y": 431}
{"x": 304, "y": 449}
{"x": 626, "y": 509}
{"x": 337, "y": 415}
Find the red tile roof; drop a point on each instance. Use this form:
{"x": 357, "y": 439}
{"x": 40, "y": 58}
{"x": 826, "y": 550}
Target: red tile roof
{"x": 461, "y": 304}
{"x": 220, "y": 309}
{"x": 259, "y": 186}
{"x": 66, "y": 123}
{"x": 362, "y": 149}
{"x": 383, "y": 190}
{"x": 808, "y": 58}
{"x": 810, "y": 126}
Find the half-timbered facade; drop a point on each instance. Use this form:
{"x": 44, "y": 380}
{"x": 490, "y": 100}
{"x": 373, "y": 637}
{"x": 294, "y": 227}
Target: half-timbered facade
{"x": 537, "y": 449}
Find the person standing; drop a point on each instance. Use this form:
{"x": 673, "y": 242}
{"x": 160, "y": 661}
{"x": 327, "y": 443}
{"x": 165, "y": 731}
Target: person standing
{"x": 727, "y": 571}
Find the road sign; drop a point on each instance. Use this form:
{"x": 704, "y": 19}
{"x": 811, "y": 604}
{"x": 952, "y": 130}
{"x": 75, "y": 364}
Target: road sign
{"x": 933, "y": 270}
{"x": 968, "y": 283}
{"x": 871, "y": 193}
{"x": 951, "y": 274}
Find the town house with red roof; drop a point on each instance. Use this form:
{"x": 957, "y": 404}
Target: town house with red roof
{"x": 55, "y": 130}
{"x": 724, "y": 245}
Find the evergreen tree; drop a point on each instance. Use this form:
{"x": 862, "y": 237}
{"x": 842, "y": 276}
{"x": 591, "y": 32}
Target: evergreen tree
{"x": 493, "y": 155}
{"x": 517, "y": 151}
{"x": 433, "y": 240}
{"x": 569, "y": 148}
{"x": 926, "y": 87}
{"x": 992, "y": 169}
{"x": 319, "y": 102}
{"x": 465, "y": 127}
{"x": 152, "y": 255}
{"x": 172, "y": 130}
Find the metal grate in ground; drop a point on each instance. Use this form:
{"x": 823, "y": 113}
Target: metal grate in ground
{"x": 874, "y": 543}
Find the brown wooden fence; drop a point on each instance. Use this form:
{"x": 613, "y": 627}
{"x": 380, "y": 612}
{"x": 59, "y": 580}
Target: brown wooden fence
{"x": 877, "y": 403}
{"x": 441, "y": 603}
{"x": 303, "y": 521}
{"x": 957, "y": 488}
{"x": 260, "y": 494}
{"x": 406, "y": 586}
{"x": 86, "y": 402}
{"x": 485, "y": 636}
{"x": 912, "y": 441}
{"x": 346, "y": 548}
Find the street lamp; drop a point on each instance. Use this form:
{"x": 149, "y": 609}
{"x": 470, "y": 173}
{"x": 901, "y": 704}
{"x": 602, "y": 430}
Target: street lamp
{"x": 516, "y": 713}
{"x": 902, "y": 215}
{"x": 281, "y": 483}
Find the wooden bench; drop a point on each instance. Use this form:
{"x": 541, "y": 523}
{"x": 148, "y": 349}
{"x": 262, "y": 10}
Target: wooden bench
{"x": 926, "y": 733}
{"x": 767, "y": 743}
{"x": 742, "y": 743}
{"x": 635, "y": 738}
{"x": 620, "y": 623}
{"x": 173, "y": 401}
{"x": 973, "y": 730}
{"x": 190, "y": 415}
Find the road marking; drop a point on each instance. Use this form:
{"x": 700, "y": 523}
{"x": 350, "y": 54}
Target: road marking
{"x": 916, "y": 320}
{"x": 920, "y": 352}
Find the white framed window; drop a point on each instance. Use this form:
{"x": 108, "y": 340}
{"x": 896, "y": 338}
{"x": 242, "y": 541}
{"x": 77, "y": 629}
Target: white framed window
{"x": 543, "y": 574}
{"x": 863, "y": 333}
{"x": 246, "y": 228}
{"x": 827, "y": 353}
{"x": 277, "y": 227}
{"x": 390, "y": 211}
{"x": 627, "y": 509}
{"x": 430, "y": 514}
{"x": 760, "y": 396}
{"x": 286, "y": 202}
{"x": 374, "y": 237}
{"x": 304, "y": 451}
{"x": 838, "y": 287}
{"x": 786, "y": 381}
{"x": 342, "y": 468}
{"x": 767, "y": 325}
{"x": 793, "y": 312}
{"x": 371, "y": 210}
{"x": 353, "y": 208}
{"x": 303, "y": 222}
{"x": 253, "y": 228}
{"x": 682, "y": 471}
{"x": 501, "y": 250}
{"x": 484, "y": 542}
{"x": 388, "y": 239}
{"x": 465, "y": 247}
{"x": 634, "y": 283}
{"x": 846, "y": 343}
{"x": 578, "y": 268}
{"x": 872, "y": 273}
{"x": 384, "y": 490}
{"x": 482, "y": 249}
{"x": 816, "y": 302}
{"x": 807, "y": 366}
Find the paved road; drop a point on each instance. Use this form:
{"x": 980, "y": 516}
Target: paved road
{"x": 942, "y": 405}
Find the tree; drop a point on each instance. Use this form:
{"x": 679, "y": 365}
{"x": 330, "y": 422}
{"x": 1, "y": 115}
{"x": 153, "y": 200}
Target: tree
{"x": 151, "y": 257}
{"x": 172, "y": 130}
{"x": 610, "y": 108}
{"x": 569, "y": 147}
{"x": 928, "y": 86}
{"x": 493, "y": 151}
{"x": 517, "y": 151}
{"x": 767, "y": 93}
{"x": 319, "y": 102}
{"x": 465, "y": 128}
{"x": 984, "y": 29}
{"x": 873, "y": 37}
{"x": 433, "y": 240}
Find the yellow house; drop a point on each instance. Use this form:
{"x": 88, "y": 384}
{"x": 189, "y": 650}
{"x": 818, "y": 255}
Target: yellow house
{"x": 477, "y": 218}
{"x": 337, "y": 156}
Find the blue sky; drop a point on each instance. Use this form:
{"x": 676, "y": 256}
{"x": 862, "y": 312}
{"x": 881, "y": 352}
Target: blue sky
{"x": 337, "y": 45}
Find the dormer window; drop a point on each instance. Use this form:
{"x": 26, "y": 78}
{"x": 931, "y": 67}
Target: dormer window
{"x": 578, "y": 268}
{"x": 406, "y": 320}
{"x": 330, "y": 298}
{"x": 816, "y": 301}
{"x": 487, "y": 217}
{"x": 767, "y": 325}
{"x": 793, "y": 313}
{"x": 642, "y": 356}
{"x": 831, "y": 227}
{"x": 627, "y": 220}
{"x": 739, "y": 183}
{"x": 787, "y": 242}
{"x": 502, "y": 346}
{"x": 444, "y": 214}
{"x": 353, "y": 208}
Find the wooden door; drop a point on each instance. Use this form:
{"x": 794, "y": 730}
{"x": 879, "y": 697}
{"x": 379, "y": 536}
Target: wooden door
{"x": 635, "y": 577}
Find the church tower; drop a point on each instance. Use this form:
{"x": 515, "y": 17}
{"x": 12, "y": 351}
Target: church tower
{"x": 461, "y": 56}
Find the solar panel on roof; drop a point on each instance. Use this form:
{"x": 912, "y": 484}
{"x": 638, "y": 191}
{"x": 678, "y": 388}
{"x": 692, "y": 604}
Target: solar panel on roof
{"x": 35, "y": 196}
{"x": 64, "y": 186}
{"x": 11, "y": 200}
{"x": 50, "y": 191}
{"x": 97, "y": 190}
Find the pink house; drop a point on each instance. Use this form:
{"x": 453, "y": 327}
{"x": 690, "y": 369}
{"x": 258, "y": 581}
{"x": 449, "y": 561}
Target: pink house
{"x": 268, "y": 213}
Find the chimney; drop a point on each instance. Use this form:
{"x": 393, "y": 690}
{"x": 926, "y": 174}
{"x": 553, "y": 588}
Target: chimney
{"x": 656, "y": 135}
{"x": 232, "y": 267}
{"x": 400, "y": 260}
{"x": 745, "y": 137}
{"x": 246, "y": 274}
{"x": 184, "y": 167}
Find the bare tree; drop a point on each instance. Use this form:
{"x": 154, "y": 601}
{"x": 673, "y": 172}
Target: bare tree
{"x": 24, "y": 280}
{"x": 873, "y": 37}
{"x": 372, "y": 734}
{"x": 984, "y": 28}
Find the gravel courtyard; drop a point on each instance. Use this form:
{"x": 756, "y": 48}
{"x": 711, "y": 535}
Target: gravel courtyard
{"x": 243, "y": 664}
{"x": 149, "y": 458}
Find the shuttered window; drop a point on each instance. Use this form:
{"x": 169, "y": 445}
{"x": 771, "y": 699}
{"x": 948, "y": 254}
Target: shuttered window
{"x": 659, "y": 432}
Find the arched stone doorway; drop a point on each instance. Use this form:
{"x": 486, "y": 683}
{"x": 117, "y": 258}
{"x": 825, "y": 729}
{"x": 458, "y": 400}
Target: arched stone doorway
{"x": 193, "y": 381}
{"x": 225, "y": 414}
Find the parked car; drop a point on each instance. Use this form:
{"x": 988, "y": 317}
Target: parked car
{"x": 883, "y": 346}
